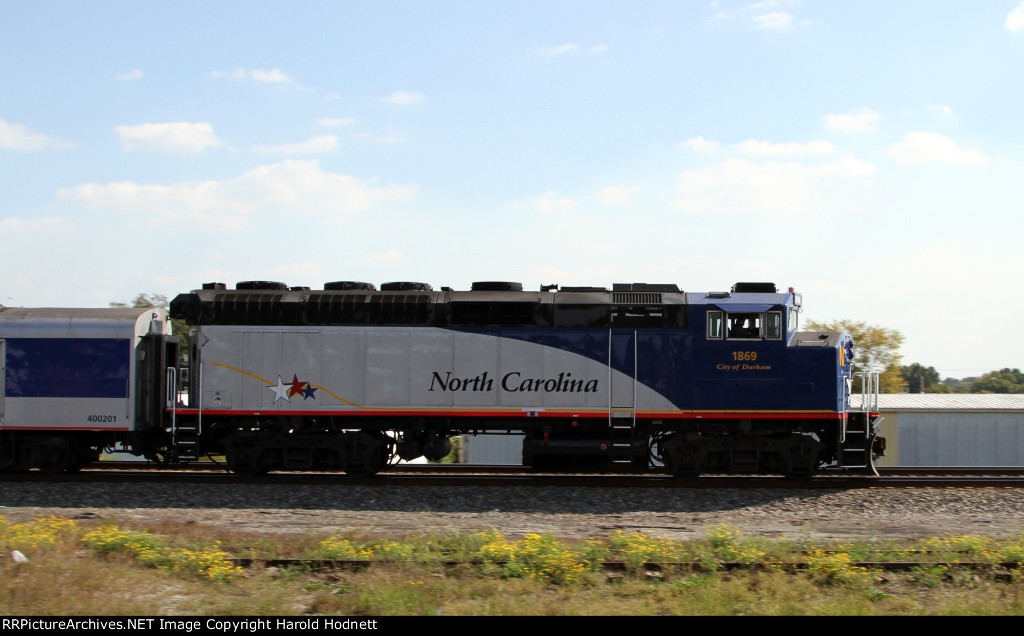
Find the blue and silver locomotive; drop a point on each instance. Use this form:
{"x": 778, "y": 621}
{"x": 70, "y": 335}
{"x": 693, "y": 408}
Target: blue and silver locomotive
{"x": 637, "y": 377}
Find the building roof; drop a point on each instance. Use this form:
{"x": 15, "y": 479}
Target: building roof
{"x": 947, "y": 401}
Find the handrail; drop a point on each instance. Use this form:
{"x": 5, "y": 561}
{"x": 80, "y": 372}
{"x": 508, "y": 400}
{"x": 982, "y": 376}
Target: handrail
{"x": 869, "y": 390}
{"x": 171, "y": 397}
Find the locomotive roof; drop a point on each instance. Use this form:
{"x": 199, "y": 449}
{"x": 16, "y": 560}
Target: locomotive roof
{"x": 92, "y": 321}
{"x": 758, "y": 293}
{"x": 493, "y": 303}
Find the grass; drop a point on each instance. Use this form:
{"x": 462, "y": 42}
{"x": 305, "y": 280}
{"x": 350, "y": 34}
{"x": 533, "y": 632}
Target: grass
{"x": 92, "y": 568}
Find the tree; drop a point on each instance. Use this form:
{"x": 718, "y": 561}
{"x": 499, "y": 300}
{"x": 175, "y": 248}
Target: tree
{"x": 1002, "y": 381}
{"x": 874, "y": 349}
{"x": 146, "y": 300}
{"x": 922, "y": 379}
{"x": 958, "y": 385}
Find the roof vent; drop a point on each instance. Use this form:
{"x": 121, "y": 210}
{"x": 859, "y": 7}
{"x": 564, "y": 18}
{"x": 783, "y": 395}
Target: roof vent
{"x": 406, "y": 286}
{"x": 754, "y": 288}
{"x": 261, "y": 284}
{"x": 495, "y": 285}
{"x": 347, "y": 285}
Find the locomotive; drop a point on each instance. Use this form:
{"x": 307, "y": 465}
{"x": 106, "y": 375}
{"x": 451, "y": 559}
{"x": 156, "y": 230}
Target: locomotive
{"x": 352, "y": 378}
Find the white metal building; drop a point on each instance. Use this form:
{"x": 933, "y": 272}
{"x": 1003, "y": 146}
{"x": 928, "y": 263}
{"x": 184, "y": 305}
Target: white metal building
{"x": 952, "y": 429}
{"x": 502, "y": 450}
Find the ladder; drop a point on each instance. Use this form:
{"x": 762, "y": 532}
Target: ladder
{"x": 184, "y": 435}
{"x": 860, "y": 428}
{"x": 621, "y": 429}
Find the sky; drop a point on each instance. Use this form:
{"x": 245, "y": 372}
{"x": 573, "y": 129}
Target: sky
{"x": 867, "y": 154}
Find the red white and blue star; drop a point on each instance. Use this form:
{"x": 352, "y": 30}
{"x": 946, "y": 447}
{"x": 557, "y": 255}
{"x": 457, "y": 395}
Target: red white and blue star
{"x": 283, "y": 391}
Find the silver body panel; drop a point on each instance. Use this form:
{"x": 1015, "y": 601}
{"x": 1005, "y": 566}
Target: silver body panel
{"x": 373, "y": 368}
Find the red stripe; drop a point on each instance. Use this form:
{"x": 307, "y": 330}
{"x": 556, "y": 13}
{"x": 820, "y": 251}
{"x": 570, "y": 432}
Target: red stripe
{"x": 45, "y": 428}
{"x": 686, "y": 415}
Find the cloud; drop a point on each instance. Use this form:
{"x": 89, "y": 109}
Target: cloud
{"x": 182, "y": 136}
{"x": 763, "y": 15}
{"x": 1015, "y": 19}
{"x": 699, "y": 144}
{"x": 774, "y": 21}
{"x": 862, "y": 120}
{"x": 404, "y": 98}
{"x": 617, "y": 194}
{"x": 18, "y": 137}
{"x": 739, "y": 186}
{"x": 133, "y": 74}
{"x": 272, "y": 76}
{"x": 547, "y": 203}
{"x": 928, "y": 147}
{"x": 757, "y": 148}
{"x": 335, "y": 122}
{"x": 43, "y": 226}
{"x": 941, "y": 109}
{"x": 315, "y": 145}
{"x": 292, "y": 191}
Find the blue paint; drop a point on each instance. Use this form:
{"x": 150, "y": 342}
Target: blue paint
{"x": 67, "y": 367}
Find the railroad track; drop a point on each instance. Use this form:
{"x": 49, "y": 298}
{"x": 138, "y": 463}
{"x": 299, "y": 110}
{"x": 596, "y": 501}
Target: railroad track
{"x": 1002, "y": 570}
{"x": 501, "y": 475}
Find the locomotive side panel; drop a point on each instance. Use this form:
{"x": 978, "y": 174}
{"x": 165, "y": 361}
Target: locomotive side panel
{"x": 545, "y": 371}
{"x": 363, "y": 369}
{"x": 820, "y": 372}
{"x": 253, "y": 368}
{"x": 473, "y": 354}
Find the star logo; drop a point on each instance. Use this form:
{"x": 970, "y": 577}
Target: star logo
{"x": 281, "y": 391}
{"x": 297, "y": 386}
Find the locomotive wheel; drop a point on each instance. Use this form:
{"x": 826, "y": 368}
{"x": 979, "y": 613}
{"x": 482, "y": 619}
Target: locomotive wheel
{"x": 373, "y": 465}
{"x": 680, "y": 460}
{"x": 82, "y": 458}
{"x": 240, "y": 463}
{"x": 375, "y": 454}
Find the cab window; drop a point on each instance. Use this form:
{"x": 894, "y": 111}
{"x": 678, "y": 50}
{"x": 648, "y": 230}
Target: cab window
{"x": 743, "y": 326}
{"x": 773, "y": 325}
{"x": 715, "y": 325}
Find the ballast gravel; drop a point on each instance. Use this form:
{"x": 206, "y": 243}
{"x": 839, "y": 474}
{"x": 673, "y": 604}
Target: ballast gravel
{"x": 567, "y": 513}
